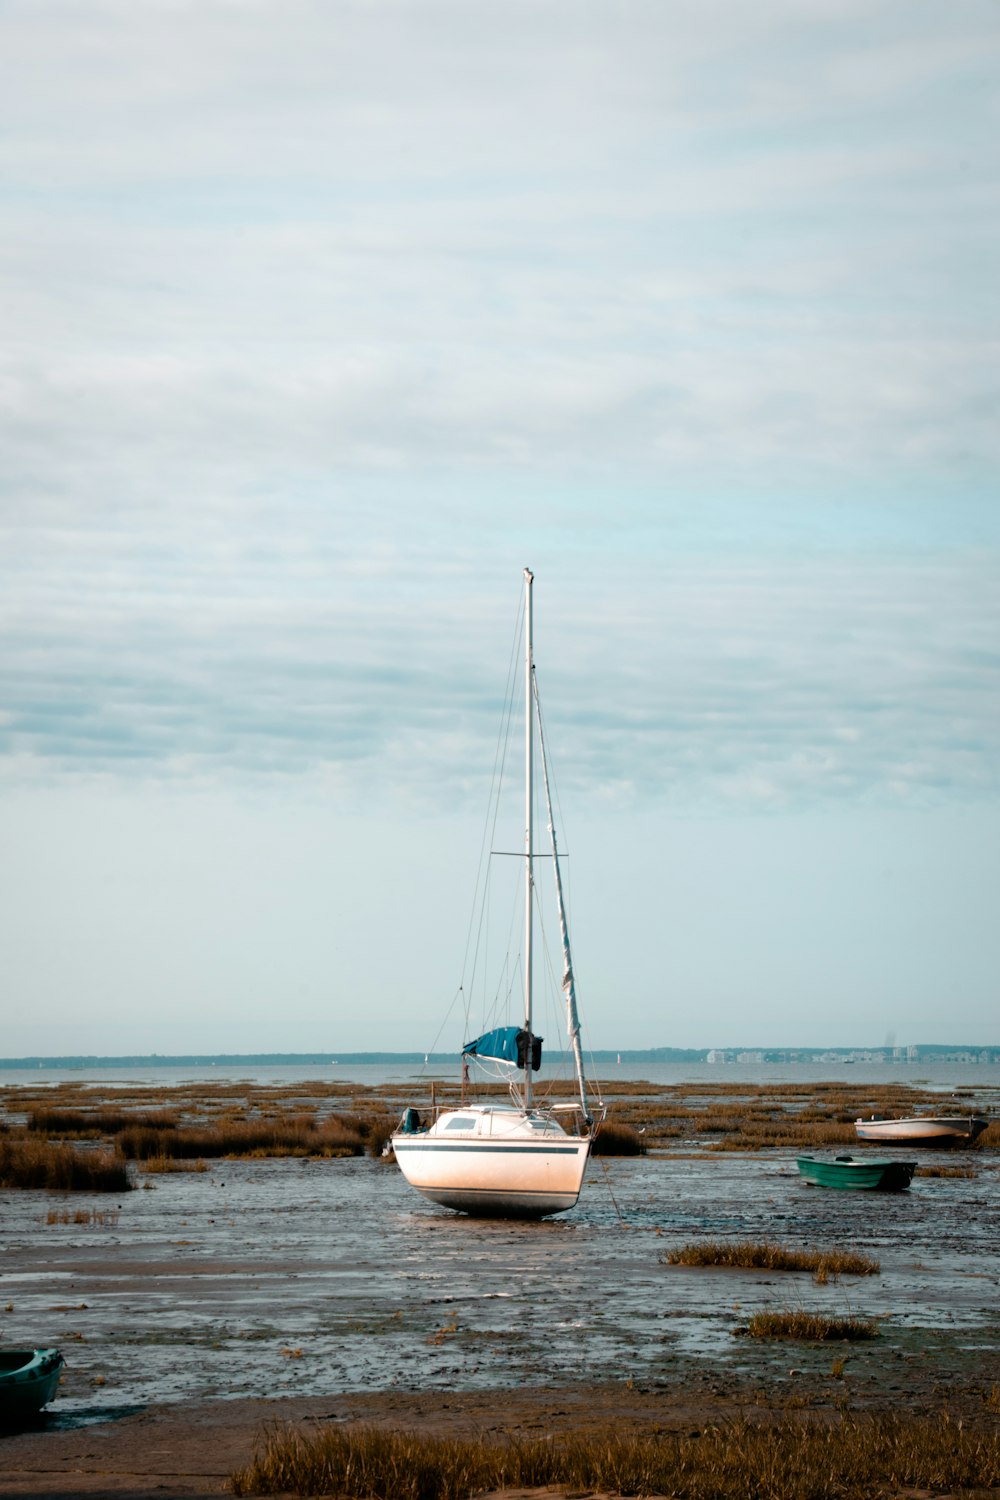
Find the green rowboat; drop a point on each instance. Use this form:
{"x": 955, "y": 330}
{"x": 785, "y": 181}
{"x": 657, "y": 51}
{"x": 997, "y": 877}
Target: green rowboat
{"x": 881, "y": 1175}
{"x": 28, "y": 1379}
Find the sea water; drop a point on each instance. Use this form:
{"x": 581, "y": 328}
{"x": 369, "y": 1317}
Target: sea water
{"x": 943, "y": 1077}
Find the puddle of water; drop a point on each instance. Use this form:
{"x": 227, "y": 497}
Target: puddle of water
{"x": 280, "y": 1277}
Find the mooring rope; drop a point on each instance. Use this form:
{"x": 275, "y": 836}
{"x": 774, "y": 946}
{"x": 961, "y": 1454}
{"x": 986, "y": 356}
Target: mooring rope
{"x": 611, "y": 1195}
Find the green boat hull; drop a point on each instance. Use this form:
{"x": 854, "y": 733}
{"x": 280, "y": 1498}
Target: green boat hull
{"x": 882, "y": 1176}
{"x": 28, "y": 1380}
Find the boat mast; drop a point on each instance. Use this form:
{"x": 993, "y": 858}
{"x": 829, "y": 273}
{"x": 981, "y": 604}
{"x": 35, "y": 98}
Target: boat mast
{"x": 529, "y": 891}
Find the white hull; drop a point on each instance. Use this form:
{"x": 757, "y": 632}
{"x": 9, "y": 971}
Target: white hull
{"x": 496, "y": 1162}
{"x": 950, "y": 1130}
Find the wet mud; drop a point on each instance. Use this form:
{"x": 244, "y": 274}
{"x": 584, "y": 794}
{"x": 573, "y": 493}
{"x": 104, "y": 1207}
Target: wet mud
{"x": 296, "y": 1278}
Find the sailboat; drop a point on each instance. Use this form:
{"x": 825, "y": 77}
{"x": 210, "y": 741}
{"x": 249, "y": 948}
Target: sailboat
{"x": 511, "y": 1160}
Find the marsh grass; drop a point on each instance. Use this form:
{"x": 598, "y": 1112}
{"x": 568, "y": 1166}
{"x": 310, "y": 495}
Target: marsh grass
{"x": 787, "y": 1135}
{"x": 714, "y": 1116}
{"x": 28, "y": 1162}
{"x": 853, "y": 1460}
{"x": 377, "y": 1132}
{"x": 794, "y": 1323}
{"x": 156, "y": 1164}
{"x": 932, "y": 1169}
{"x": 105, "y": 1218}
{"x": 615, "y": 1139}
{"x": 297, "y": 1136}
{"x": 86, "y": 1123}
{"x": 765, "y": 1255}
{"x": 741, "y": 1117}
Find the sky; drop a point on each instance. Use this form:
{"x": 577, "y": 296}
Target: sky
{"x": 319, "y": 321}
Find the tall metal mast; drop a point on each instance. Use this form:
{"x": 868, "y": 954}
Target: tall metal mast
{"x": 529, "y": 878}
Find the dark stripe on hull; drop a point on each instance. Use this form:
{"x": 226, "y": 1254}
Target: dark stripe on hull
{"x": 484, "y": 1148}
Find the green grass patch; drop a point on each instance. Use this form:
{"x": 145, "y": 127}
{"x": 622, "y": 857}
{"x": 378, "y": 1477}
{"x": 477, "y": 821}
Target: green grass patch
{"x": 765, "y": 1255}
{"x": 810, "y": 1327}
{"x": 742, "y": 1460}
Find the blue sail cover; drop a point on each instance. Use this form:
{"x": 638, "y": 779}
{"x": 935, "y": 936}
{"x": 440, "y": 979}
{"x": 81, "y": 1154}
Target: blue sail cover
{"x": 507, "y": 1044}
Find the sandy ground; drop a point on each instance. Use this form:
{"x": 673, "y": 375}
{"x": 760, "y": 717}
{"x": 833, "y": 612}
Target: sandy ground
{"x": 191, "y": 1449}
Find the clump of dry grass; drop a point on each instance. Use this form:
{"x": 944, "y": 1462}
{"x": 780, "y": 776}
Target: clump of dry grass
{"x": 934, "y": 1170}
{"x": 793, "y": 1323}
{"x": 765, "y": 1255}
{"x": 615, "y": 1139}
{"x": 376, "y": 1133}
{"x": 27, "y": 1162}
{"x": 95, "y": 1122}
{"x": 155, "y": 1164}
{"x": 297, "y": 1136}
{"x": 785, "y": 1133}
{"x": 734, "y": 1461}
{"x": 102, "y": 1217}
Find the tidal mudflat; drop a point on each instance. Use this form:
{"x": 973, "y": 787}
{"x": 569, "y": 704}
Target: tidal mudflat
{"x": 264, "y": 1277}
{"x": 317, "y": 1288}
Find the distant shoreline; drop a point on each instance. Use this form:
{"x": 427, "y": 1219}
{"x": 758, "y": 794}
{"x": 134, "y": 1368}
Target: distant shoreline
{"x": 720, "y": 1056}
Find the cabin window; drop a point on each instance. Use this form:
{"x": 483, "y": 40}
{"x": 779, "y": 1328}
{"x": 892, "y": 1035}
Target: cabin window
{"x": 462, "y": 1122}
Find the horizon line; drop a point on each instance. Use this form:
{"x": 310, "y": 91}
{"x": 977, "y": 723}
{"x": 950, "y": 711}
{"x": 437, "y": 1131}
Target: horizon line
{"x": 327, "y": 1057}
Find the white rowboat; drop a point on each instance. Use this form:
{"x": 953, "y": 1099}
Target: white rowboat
{"x": 923, "y": 1130}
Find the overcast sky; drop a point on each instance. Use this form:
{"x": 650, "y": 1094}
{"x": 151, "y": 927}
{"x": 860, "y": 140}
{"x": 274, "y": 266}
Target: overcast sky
{"x": 319, "y": 321}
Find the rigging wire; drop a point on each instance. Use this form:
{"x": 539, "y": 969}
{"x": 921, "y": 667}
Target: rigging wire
{"x": 444, "y": 1023}
{"x": 492, "y": 813}
{"x": 554, "y": 780}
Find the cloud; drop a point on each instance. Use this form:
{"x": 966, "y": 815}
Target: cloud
{"x": 321, "y": 321}
{"x": 246, "y": 238}
{"x": 745, "y": 684}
